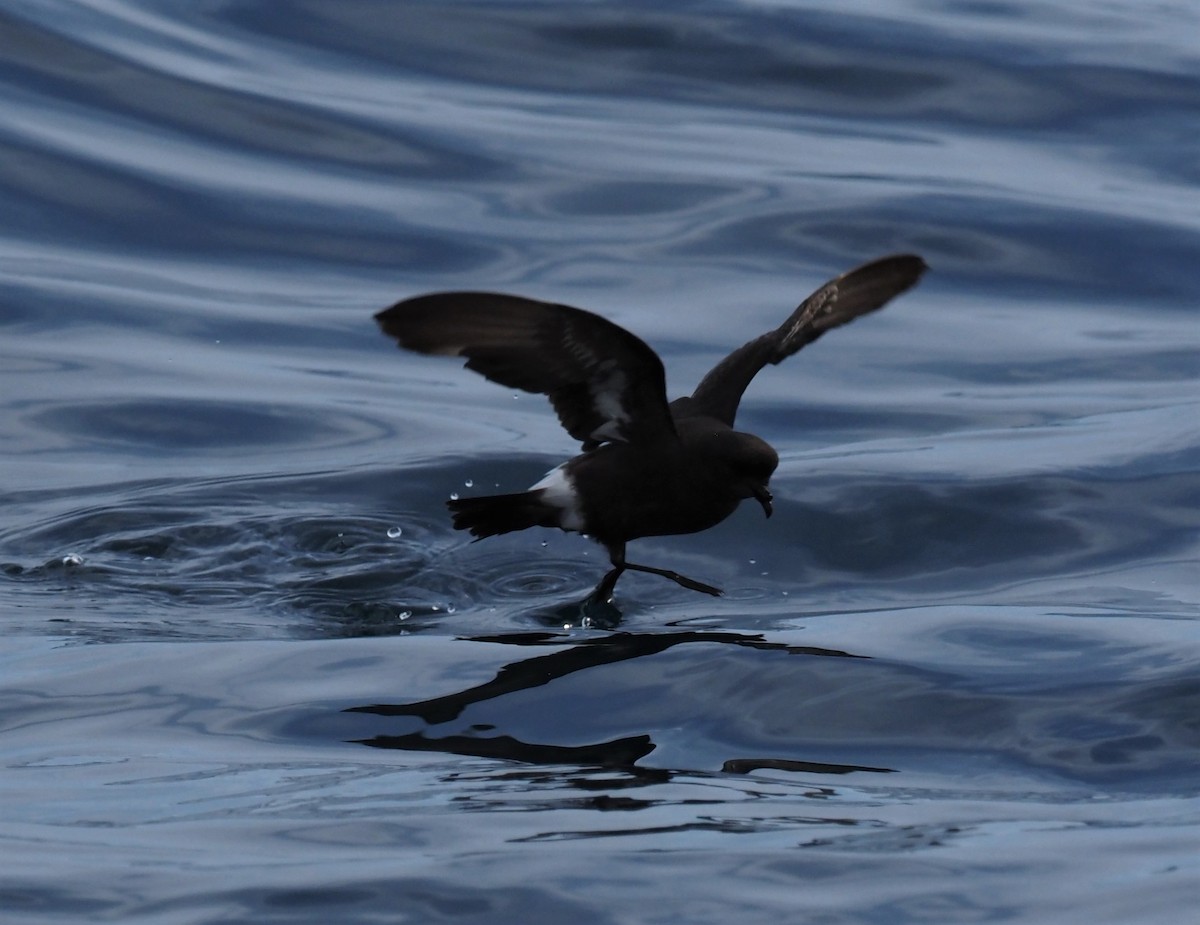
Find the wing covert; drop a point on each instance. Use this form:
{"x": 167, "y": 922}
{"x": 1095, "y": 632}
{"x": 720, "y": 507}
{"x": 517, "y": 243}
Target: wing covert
{"x": 603, "y": 382}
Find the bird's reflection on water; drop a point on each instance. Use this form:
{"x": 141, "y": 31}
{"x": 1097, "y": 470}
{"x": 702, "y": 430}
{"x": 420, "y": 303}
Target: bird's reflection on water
{"x": 484, "y": 740}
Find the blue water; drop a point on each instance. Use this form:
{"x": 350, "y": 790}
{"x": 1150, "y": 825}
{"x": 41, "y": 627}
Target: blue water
{"x": 251, "y": 674}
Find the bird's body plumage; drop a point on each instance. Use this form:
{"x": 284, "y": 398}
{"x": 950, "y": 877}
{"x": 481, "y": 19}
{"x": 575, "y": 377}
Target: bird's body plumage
{"x": 648, "y": 468}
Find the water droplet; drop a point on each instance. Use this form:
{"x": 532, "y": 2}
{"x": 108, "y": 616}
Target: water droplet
{"x": 453, "y": 496}
{"x": 450, "y": 608}
{"x": 435, "y": 608}
{"x": 544, "y": 544}
{"x": 394, "y": 532}
{"x": 753, "y": 561}
{"x": 404, "y": 614}
{"x": 470, "y": 483}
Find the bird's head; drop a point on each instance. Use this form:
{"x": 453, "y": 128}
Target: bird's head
{"x": 748, "y": 462}
{"x": 754, "y": 463}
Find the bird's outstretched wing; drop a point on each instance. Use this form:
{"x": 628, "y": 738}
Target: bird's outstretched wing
{"x": 604, "y": 383}
{"x": 857, "y": 292}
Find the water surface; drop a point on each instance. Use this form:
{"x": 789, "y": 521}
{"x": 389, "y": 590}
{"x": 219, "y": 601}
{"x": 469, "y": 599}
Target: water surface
{"x": 250, "y": 673}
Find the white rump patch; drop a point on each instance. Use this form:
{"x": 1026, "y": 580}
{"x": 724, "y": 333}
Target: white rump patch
{"x": 560, "y": 493}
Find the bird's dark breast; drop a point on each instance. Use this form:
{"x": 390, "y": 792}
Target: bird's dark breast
{"x": 627, "y": 492}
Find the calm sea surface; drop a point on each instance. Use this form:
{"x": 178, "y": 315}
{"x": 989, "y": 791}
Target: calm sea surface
{"x": 249, "y": 673}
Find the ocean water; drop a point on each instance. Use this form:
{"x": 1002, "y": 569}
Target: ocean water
{"x": 249, "y": 673}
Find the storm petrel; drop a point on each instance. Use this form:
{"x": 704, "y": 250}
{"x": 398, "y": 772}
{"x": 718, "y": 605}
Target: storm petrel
{"x": 648, "y": 468}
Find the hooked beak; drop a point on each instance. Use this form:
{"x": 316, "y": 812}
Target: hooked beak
{"x": 763, "y": 496}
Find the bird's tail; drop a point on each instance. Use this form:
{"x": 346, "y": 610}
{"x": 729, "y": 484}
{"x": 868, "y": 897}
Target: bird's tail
{"x": 495, "y": 514}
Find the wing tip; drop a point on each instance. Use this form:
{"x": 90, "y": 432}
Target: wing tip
{"x": 420, "y": 324}
{"x": 907, "y": 267}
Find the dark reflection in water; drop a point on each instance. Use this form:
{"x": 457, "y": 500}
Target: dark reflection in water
{"x": 539, "y": 671}
{"x": 719, "y": 702}
{"x": 603, "y": 650}
{"x": 620, "y": 753}
{"x": 750, "y": 765}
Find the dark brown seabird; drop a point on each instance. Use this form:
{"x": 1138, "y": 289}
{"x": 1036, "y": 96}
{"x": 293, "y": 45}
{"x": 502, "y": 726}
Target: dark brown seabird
{"x": 648, "y": 468}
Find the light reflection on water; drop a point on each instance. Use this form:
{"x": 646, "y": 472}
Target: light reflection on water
{"x": 952, "y": 678}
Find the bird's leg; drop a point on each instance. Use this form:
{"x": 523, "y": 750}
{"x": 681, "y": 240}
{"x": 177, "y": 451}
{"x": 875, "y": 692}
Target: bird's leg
{"x": 690, "y": 583}
{"x": 604, "y": 590}
{"x": 616, "y": 554}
